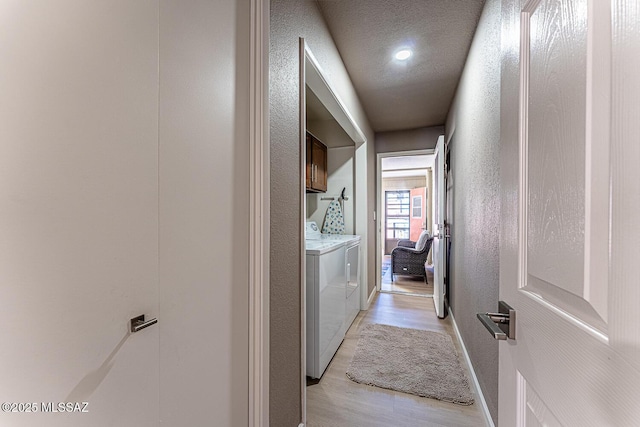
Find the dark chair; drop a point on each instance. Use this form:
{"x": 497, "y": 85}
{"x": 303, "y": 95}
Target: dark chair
{"x": 409, "y": 257}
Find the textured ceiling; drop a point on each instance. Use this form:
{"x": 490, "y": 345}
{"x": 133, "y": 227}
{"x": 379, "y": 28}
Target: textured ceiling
{"x": 415, "y": 93}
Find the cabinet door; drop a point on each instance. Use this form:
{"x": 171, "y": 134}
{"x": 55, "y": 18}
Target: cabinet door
{"x": 309, "y": 164}
{"x": 316, "y": 165}
{"x": 319, "y": 159}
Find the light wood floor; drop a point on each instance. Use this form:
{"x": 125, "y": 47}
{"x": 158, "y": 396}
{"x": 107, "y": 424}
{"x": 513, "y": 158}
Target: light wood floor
{"x": 336, "y": 401}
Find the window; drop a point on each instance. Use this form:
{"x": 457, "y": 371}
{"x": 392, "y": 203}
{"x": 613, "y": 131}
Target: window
{"x": 397, "y": 214}
{"x": 416, "y": 207}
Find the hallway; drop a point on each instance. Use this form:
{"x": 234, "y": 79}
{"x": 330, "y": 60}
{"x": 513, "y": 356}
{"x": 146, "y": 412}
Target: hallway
{"x": 338, "y": 401}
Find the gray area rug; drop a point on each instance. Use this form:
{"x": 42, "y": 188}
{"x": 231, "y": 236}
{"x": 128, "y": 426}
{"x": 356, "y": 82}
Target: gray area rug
{"x": 424, "y": 363}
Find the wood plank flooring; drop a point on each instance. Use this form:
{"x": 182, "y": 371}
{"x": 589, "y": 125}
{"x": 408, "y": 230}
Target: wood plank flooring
{"x": 336, "y": 401}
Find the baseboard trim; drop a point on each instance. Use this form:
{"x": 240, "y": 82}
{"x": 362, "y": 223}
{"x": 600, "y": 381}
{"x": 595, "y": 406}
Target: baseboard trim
{"x": 474, "y": 378}
{"x": 371, "y": 297}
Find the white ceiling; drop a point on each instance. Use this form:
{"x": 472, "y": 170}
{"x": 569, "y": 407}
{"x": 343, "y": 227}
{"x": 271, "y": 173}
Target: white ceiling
{"x": 406, "y": 166}
{"x": 415, "y": 93}
{"x": 407, "y": 162}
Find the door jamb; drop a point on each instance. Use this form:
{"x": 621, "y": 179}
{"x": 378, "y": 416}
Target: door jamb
{"x": 378, "y": 235}
{"x": 312, "y": 75}
{"x": 259, "y": 197}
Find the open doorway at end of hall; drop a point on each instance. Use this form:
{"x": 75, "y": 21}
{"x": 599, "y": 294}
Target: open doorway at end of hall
{"x": 406, "y": 207}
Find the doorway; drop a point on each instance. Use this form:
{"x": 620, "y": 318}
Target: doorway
{"x": 324, "y": 117}
{"x": 406, "y": 206}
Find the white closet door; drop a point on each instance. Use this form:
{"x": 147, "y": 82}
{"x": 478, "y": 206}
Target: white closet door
{"x": 79, "y": 210}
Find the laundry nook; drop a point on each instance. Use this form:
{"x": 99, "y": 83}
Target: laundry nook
{"x": 333, "y": 286}
{"x": 332, "y": 293}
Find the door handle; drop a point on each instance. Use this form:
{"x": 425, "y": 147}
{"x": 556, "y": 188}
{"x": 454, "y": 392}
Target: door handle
{"x": 501, "y": 325}
{"x": 138, "y": 323}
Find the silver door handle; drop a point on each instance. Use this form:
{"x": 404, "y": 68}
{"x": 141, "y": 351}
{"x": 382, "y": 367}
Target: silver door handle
{"x": 501, "y": 325}
{"x": 138, "y": 323}
{"x": 488, "y": 323}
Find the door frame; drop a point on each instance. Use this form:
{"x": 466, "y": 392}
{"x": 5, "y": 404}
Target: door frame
{"x": 259, "y": 200}
{"x": 379, "y": 241}
{"x": 312, "y": 75}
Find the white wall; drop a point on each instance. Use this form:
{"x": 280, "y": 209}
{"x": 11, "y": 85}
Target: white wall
{"x": 204, "y": 203}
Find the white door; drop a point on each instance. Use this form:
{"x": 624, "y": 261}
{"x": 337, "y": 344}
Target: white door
{"x": 439, "y": 238}
{"x": 78, "y": 212}
{"x": 569, "y": 260}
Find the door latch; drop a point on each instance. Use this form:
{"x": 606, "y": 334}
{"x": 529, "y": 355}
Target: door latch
{"x": 501, "y": 325}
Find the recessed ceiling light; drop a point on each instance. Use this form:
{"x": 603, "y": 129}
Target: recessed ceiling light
{"x": 403, "y": 54}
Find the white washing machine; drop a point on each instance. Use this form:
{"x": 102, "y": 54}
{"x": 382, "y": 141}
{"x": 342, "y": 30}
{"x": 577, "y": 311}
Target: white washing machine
{"x": 332, "y": 298}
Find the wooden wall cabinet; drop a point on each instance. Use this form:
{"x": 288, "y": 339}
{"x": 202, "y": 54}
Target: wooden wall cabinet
{"x": 316, "y": 170}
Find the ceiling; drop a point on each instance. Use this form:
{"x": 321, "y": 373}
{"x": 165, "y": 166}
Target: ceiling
{"x": 407, "y": 162}
{"x": 417, "y": 92}
{"x": 406, "y": 166}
